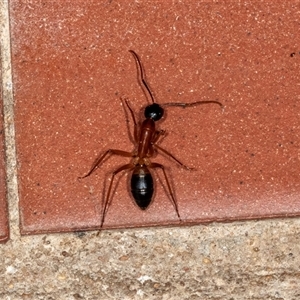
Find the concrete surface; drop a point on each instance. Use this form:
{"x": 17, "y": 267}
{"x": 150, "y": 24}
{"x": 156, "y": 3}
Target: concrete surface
{"x": 242, "y": 260}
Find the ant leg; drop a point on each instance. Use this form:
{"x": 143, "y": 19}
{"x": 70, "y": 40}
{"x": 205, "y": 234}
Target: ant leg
{"x": 133, "y": 138}
{"x": 108, "y": 200}
{"x": 99, "y": 159}
{"x": 157, "y": 135}
{"x": 135, "y": 134}
{"x": 156, "y": 165}
{"x": 172, "y": 156}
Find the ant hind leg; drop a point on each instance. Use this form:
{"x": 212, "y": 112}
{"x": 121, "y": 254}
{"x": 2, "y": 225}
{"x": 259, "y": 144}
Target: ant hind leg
{"x": 108, "y": 198}
{"x": 174, "y": 202}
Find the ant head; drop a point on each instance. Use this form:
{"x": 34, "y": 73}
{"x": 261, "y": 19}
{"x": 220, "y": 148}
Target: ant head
{"x": 154, "y": 112}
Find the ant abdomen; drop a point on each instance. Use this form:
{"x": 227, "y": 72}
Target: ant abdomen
{"x": 142, "y": 186}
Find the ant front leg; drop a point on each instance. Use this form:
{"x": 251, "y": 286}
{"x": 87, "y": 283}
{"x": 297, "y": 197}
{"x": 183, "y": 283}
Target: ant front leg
{"x": 125, "y": 103}
{"x": 100, "y": 158}
{"x": 156, "y": 165}
{"x": 135, "y": 132}
{"x": 159, "y": 134}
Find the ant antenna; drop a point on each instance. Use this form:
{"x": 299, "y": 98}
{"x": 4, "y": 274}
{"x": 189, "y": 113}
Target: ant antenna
{"x": 178, "y": 104}
{"x": 184, "y": 105}
{"x": 142, "y": 75}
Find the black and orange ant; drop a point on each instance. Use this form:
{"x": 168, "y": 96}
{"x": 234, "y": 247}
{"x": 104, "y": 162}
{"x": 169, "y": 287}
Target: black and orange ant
{"x": 146, "y": 138}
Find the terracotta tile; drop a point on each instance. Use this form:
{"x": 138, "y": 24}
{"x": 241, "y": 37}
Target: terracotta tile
{"x": 71, "y": 65}
{"x": 4, "y": 228}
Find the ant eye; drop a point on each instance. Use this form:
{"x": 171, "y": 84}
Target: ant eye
{"x": 154, "y": 112}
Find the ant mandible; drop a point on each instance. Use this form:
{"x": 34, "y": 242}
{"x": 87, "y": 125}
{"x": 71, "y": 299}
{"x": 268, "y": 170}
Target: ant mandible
{"x": 146, "y": 137}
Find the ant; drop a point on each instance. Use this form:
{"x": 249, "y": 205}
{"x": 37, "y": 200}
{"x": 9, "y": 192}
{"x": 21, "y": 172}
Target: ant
{"x": 146, "y": 138}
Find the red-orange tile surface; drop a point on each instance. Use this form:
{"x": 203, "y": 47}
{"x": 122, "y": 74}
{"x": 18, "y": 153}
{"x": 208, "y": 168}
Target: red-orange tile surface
{"x": 71, "y": 65}
{"x": 4, "y": 230}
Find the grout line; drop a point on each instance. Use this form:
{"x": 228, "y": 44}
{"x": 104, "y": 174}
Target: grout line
{"x": 9, "y": 126}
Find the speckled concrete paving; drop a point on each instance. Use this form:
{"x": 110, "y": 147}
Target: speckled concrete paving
{"x": 4, "y": 227}
{"x": 250, "y": 260}
{"x": 242, "y": 260}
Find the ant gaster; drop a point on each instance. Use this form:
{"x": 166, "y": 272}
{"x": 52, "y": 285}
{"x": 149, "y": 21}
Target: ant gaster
{"x": 146, "y": 137}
